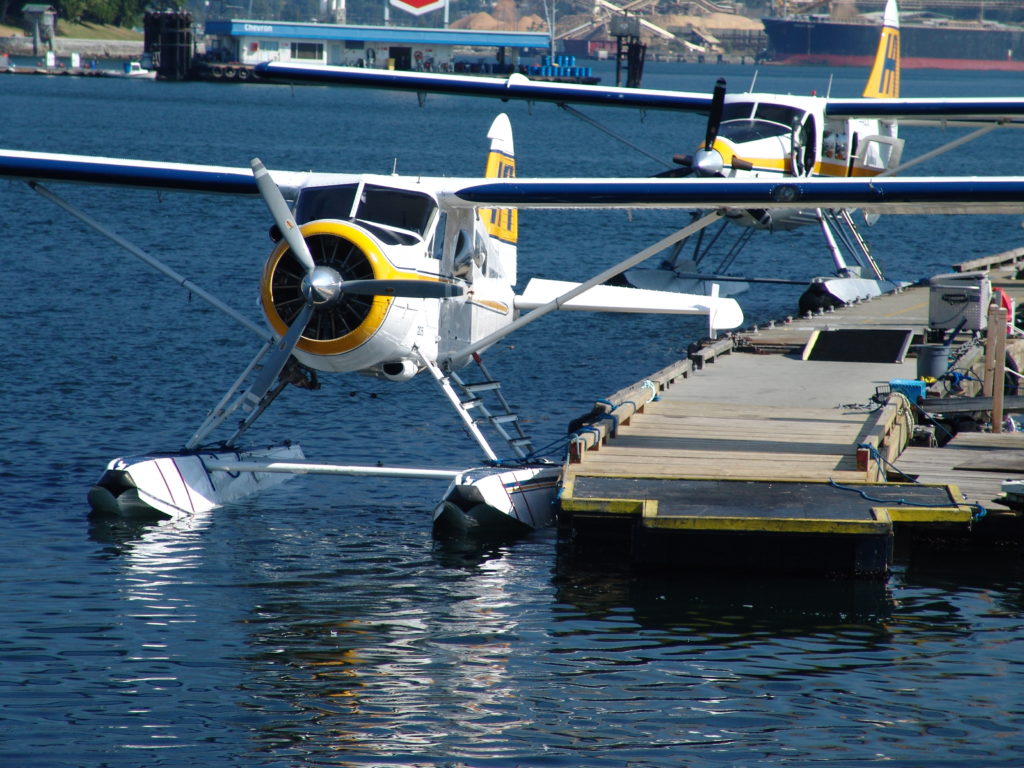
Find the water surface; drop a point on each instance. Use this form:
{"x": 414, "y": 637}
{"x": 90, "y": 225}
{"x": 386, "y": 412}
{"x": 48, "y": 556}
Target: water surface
{"x": 321, "y": 624}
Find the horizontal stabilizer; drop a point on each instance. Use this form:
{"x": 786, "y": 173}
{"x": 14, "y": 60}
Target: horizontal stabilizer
{"x": 724, "y": 313}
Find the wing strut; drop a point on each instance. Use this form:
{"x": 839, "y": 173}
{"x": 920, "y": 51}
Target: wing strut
{"x": 622, "y": 266}
{"x": 941, "y": 150}
{"x": 152, "y": 261}
{"x": 609, "y": 132}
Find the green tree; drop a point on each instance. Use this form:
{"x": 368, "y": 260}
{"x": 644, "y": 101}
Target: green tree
{"x": 71, "y": 10}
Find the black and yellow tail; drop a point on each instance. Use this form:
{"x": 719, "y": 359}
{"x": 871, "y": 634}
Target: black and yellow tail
{"x": 884, "y": 80}
{"x": 501, "y": 223}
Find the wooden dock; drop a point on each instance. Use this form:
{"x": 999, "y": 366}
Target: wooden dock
{"x": 748, "y": 455}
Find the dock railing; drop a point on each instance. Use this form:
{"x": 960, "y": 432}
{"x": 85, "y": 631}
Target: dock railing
{"x": 1006, "y": 259}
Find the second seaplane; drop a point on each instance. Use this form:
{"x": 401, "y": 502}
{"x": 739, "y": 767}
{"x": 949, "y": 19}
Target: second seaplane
{"x": 749, "y": 135}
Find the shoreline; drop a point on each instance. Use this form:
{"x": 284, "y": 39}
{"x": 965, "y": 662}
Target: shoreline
{"x": 65, "y": 46}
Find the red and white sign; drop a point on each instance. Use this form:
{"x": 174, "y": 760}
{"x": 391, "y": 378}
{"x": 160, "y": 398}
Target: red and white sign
{"x": 418, "y": 7}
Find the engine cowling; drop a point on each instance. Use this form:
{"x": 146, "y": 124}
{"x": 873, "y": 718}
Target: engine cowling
{"x": 354, "y": 333}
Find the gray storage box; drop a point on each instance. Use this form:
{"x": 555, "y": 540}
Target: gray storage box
{"x": 958, "y": 296}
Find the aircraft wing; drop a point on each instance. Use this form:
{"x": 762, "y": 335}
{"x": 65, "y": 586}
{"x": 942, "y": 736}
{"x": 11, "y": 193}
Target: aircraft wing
{"x": 918, "y": 194}
{"x": 110, "y": 171}
{"x": 516, "y": 86}
{"x": 1008, "y": 110}
{"x": 909, "y": 195}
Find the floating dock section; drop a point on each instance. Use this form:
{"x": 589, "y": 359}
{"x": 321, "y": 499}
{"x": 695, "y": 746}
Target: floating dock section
{"x": 759, "y": 454}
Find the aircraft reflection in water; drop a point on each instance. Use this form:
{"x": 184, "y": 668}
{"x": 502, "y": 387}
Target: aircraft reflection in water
{"x": 361, "y": 678}
{"x": 748, "y": 136}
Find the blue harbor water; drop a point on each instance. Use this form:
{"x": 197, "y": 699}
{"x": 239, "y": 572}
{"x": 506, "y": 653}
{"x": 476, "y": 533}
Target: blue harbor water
{"x": 321, "y": 624}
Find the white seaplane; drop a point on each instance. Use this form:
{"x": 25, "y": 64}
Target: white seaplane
{"x": 380, "y": 275}
{"x": 748, "y": 136}
{"x": 391, "y": 276}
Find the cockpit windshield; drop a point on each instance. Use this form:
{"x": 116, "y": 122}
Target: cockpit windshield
{"x": 745, "y": 121}
{"x": 397, "y": 216}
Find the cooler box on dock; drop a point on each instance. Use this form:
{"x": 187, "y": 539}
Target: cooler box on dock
{"x": 914, "y": 390}
{"x": 959, "y": 297}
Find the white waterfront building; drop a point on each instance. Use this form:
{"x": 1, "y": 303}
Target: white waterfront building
{"x": 404, "y": 48}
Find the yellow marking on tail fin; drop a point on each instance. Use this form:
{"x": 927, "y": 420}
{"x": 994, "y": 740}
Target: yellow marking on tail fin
{"x": 501, "y": 223}
{"x": 884, "y": 80}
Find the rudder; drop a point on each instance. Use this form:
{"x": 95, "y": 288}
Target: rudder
{"x": 501, "y": 223}
{"x": 884, "y": 80}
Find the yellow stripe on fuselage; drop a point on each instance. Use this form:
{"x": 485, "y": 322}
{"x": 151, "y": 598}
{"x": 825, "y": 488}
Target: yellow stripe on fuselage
{"x": 842, "y": 170}
{"x": 495, "y": 306}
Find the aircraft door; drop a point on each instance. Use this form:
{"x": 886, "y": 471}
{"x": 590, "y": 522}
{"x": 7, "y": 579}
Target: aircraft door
{"x": 402, "y": 56}
{"x": 803, "y": 153}
{"x": 876, "y": 154}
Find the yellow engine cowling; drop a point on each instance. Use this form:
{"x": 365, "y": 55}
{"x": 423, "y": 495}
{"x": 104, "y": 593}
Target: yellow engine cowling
{"x": 356, "y": 333}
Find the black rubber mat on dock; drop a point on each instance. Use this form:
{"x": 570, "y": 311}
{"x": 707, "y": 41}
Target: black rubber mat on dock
{"x": 741, "y": 498}
{"x": 860, "y": 345}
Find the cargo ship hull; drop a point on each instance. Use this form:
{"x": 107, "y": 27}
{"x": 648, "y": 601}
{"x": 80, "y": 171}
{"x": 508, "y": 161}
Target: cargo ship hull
{"x": 810, "y": 40}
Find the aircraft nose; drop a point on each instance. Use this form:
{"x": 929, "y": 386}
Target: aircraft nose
{"x": 708, "y": 162}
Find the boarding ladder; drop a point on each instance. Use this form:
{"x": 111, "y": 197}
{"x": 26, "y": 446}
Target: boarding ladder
{"x": 470, "y": 402}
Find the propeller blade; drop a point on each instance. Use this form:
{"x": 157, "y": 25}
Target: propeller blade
{"x": 411, "y": 289}
{"x": 252, "y": 400}
{"x": 282, "y": 215}
{"x": 674, "y": 173}
{"x": 686, "y": 169}
{"x": 282, "y": 351}
{"x": 715, "y": 115}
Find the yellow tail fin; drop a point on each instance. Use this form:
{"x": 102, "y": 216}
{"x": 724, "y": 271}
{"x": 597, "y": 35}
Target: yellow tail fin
{"x": 884, "y": 80}
{"x": 501, "y": 223}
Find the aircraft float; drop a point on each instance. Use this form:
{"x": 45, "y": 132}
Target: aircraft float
{"x": 392, "y": 276}
{"x": 748, "y": 136}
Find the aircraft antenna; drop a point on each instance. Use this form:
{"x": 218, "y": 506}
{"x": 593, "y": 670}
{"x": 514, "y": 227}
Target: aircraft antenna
{"x": 394, "y": 167}
{"x": 828, "y": 93}
{"x": 753, "y": 80}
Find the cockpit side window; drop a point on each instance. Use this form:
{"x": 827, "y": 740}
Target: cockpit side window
{"x": 437, "y": 247}
{"x": 395, "y": 208}
{"x": 776, "y": 113}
